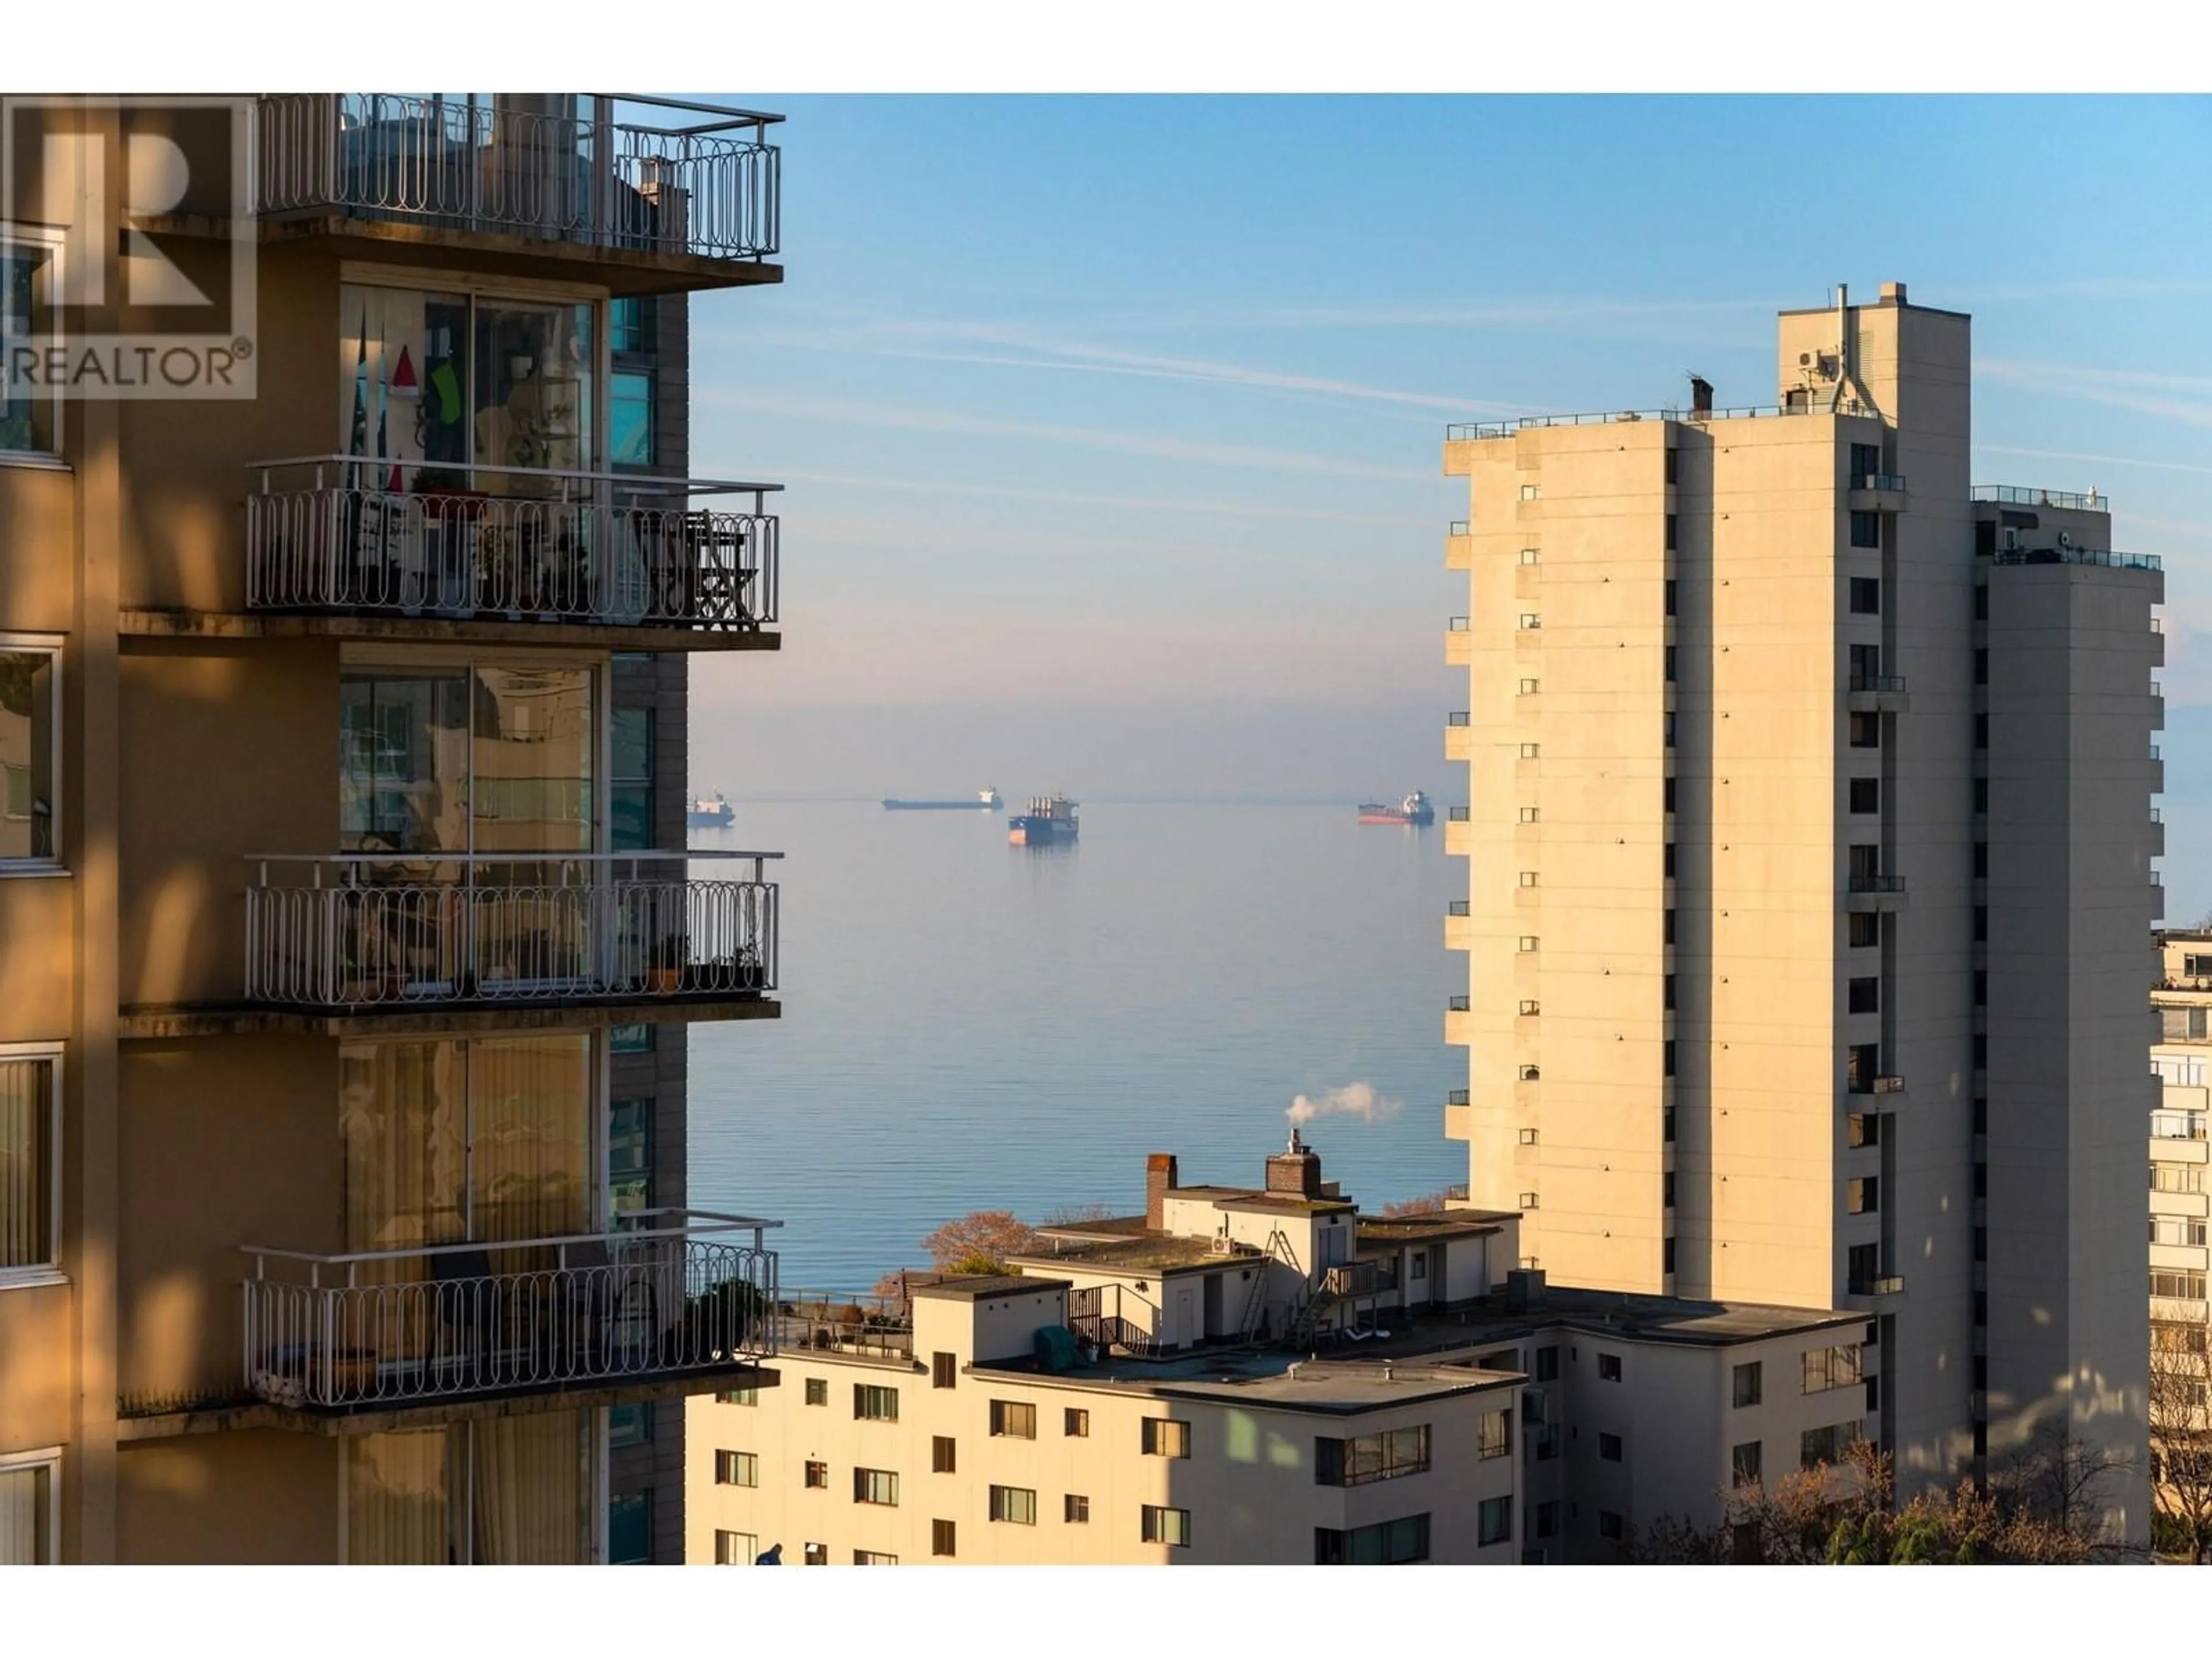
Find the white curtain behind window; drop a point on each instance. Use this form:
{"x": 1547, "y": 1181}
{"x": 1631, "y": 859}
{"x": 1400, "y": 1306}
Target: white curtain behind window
{"x": 25, "y": 1503}
{"x": 397, "y": 1500}
{"x": 531, "y": 1139}
{"x": 26, "y": 1162}
{"x": 530, "y": 1478}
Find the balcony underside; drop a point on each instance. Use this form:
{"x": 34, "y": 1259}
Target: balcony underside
{"x": 1873, "y": 702}
{"x": 539, "y": 257}
{"x": 431, "y": 630}
{"x": 144, "y": 1022}
{"x": 1882, "y": 902}
{"x": 245, "y": 1413}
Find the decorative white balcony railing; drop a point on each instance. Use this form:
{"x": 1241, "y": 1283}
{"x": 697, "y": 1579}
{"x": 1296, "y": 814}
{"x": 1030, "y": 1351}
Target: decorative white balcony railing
{"x": 416, "y": 929}
{"x": 346, "y": 534}
{"x": 669, "y": 1293}
{"x": 557, "y": 167}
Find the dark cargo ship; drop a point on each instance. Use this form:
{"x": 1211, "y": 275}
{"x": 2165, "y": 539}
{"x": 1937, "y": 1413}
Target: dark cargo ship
{"x": 985, "y": 801}
{"x": 1414, "y": 809}
{"x": 1049, "y": 822}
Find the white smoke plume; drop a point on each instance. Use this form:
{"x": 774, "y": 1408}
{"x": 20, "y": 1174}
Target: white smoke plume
{"x": 1357, "y": 1100}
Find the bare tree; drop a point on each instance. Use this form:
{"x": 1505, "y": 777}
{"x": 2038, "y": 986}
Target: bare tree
{"x": 979, "y": 1241}
{"x": 2060, "y": 1480}
{"x": 1845, "y": 1513}
{"x": 1399, "y": 1209}
{"x": 2181, "y": 1441}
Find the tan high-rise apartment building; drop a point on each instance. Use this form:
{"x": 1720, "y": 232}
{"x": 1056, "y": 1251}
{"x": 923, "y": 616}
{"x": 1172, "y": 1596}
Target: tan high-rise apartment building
{"x": 342, "y": 984}
{"x": 1810, "y": 879}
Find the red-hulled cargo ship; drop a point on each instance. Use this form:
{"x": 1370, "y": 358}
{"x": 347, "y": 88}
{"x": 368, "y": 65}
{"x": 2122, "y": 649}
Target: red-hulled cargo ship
{"x": 1049, "y": 822}
{"x": 1414, "y": 809}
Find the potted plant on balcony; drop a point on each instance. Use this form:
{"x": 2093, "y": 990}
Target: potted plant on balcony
{"x": 671, "y": 955}
{"x": 713, "y": 1325}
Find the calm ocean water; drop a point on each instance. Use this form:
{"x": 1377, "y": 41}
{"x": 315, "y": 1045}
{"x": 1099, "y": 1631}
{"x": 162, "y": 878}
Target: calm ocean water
{"x": 971, "y": 1025}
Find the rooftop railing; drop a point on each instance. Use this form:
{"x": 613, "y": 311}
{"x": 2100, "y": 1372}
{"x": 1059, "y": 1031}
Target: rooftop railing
{"x": 2020, "y": 495}
{"x": 671, "y": 1291}
{"x": 2079, "y": 556}
{"x": 391, "y": 930}
{"x": 1462, "y": 432}
{"x": 336, "y": 533}
{"x": 880, "y": 1327}
{"x": 703, "y": 180}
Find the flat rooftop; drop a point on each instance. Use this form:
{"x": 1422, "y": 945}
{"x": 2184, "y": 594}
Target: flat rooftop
{"x": 1441, "y": 1224}
{"x": 1153, "y": 1252}
{"x": 1285, "y": 1381}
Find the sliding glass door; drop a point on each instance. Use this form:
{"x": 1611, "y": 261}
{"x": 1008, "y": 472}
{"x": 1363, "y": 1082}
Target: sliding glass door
{"x": 451, "y": 1142}
{"x": 460, "y": 760}
{"x": 440, "y": 384}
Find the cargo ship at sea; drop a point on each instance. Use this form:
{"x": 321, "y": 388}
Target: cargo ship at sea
{"x": 984, "y": 800}
{"x": 1414, "y": 809}
{"x": 716, "y": 813}
{"x": 1049, "y": 822}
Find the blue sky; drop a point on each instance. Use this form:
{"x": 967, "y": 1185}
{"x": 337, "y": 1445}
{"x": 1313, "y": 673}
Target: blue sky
{"x": 1119, "y": 405}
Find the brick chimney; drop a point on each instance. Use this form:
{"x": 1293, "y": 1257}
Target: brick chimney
{"x": 1160, "y": 1181}
{"x": 1296, "y": 1172}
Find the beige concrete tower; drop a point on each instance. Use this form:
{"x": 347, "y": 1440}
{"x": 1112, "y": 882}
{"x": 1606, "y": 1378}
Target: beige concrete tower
{"x": 1732, "y": 674}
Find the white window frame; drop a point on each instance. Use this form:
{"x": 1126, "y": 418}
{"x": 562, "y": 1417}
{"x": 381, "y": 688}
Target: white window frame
{"x": 54, "y": 240}
{"x": 50, "y": 645}
{"x": 49, "y": 1272}
{"x": 50, "y": 1459}
{"x": 746, "y": 1553}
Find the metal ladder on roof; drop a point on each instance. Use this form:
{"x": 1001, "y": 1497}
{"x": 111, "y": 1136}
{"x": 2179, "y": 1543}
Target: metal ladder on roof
{"x": 1255, "y": 1304}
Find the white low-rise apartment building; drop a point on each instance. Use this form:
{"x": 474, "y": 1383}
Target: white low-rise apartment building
{"x": 1404, "y": 1394}
{"x": 2180, "y": 1258}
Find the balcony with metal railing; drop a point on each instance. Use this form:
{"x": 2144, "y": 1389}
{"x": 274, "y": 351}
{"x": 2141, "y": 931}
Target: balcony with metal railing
{"x": 1866, "y": 891}
{"x": 2021, "y": 496}
{"x": 1877, "y": 492}
{"x": 1867, "y": 693}
{"x": 343, "y": 545}
{"x": 1479, "y": 431}
{"x": 403, "y": 940}
{"x": 2089, "y": 555}
{"x": 868, "y": 1327}
{"x": 655, "y": 194}
{"x": 675, "y": 1300}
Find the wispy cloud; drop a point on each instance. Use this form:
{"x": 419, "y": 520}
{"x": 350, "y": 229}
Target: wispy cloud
{"x": 1040, "y": 349}
{"x": 2093, "y": 460}
{"x": 1074, "y": 498}
{"x": 2116, "y": 388}
{"x": 2084, "y": 288}
{"x": 1251, "y": 457}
